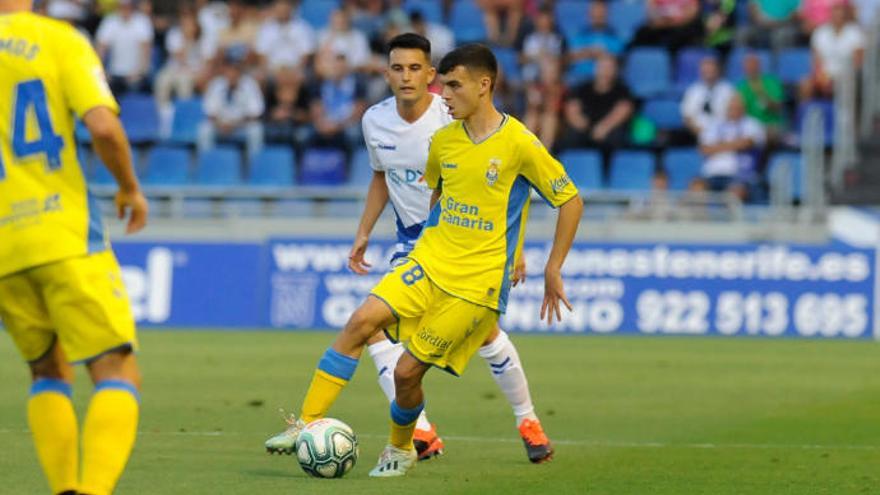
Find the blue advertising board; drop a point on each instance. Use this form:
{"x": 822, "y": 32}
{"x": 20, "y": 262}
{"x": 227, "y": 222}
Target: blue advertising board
{"x": 776, "y": 290}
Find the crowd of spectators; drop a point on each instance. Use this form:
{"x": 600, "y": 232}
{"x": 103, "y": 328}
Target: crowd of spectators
{"x": 265, "y": 74}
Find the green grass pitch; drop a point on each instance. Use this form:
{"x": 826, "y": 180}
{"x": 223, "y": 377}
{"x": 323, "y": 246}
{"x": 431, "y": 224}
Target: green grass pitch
{"x": 629, "y": 416}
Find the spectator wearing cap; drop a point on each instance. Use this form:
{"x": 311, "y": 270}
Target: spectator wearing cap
{"x": 732, "y": 147}
{"x": 336, "y": 103}
{"x": 340, "y": 37}
{"x": 233, "y": 105}
{"x": 597, "y": 40}
{"x": 763, "y": 95}
{"x": 837, "y": 46}
{"x": 125, "y": 40}
{"x": 706, "y": 99}
{"x": 285, "y": 41}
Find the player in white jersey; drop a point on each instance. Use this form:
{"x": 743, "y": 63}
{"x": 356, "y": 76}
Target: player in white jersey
{"x": 398, "y": 132}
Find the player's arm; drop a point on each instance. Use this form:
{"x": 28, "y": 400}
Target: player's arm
{"x": 112, "y": 146}
{"x": 377, "y": 198}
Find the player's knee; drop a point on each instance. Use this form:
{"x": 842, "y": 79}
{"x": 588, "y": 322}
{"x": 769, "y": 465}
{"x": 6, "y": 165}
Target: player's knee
{"x": 363, "y": 324}
{"x": 408, "y": 372}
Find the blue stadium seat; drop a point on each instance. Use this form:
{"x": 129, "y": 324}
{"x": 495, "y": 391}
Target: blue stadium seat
{"x": 626, "y": 16}
{"x": 466, "y": 21}
{"x": 220, "y": 166}
{"x": 584, "y": 167}
{"x": 795, "y": 162}
{"x": 646, "y": 71}
{"x": 140, "y": 118}
{"x": 687, "y": 65}
{"x": 827, "y": 109}
{"x": 571, "y": 17}
{"x": 361, "y": 172}
{"x": 682, "y": 165}
{"x": 167, "y": 166}
{"x": 317, "y": 12}
{"x": 188, "y": 115}
{"x": 793, "y": 64}
{"x": 431, "y": 10}
{"x": 632, "y": 170}
{"x": 322, "y": 167}
{"x": 508, "y": 60}
{"x": 273, "y": 167}
{"x": 734, "y": 70}
{"x": 664, "y": 113}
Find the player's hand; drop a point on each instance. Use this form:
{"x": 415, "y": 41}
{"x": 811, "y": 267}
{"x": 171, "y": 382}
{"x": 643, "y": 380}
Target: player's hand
{"x": 554, "y": 293}
{"x": 135, "y": 205}
{"x": 356, "y": 262}
{"x": 519, "y": 271}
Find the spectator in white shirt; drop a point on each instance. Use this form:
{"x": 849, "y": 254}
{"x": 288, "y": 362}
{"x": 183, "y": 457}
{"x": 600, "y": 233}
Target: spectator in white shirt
{"x": 284, "y": 41}
{"x": 127, "y": 37}
{"x": 706, "y": 99}
{"x": 187, "y": 65}
{"x": 545, "y": 42}
{"x": 213, "y": 19}
{"x": 340, "y": 37}
{"x": 837, "y": 45}
{"x": 441, "y": 37}
{"x": 732, "y": 147}
{"x": 233, "y": 106}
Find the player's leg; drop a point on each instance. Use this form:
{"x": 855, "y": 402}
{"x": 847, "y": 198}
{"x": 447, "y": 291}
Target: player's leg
{"x": 400, "y": 454}
{"x": 110, "y": 425}
{"x": 507, "y": 371}
{"x": 385, "y": 355}
{"x": 51, "y": 417}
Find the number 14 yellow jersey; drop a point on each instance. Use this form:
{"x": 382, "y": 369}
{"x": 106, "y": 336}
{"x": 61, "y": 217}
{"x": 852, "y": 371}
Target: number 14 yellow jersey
{"x": 48, "y": 73}
{"x": 468, "y": 245}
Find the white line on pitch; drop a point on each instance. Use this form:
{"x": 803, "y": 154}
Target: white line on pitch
{"x": 583, "y": 443}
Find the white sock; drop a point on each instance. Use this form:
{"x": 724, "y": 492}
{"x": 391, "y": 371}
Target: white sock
{"x": 507, "y": 370}
{"x": 385, "y": 355}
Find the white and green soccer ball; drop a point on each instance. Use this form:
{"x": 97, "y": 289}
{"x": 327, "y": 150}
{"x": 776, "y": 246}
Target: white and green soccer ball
{"x": 327, "y": 448}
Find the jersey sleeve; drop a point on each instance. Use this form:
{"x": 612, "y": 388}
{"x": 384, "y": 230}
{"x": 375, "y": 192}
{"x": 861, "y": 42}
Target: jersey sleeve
{"x": 432, "y": 166}
{"x": 545, "y": 173}
{"x": 82, "y": 76}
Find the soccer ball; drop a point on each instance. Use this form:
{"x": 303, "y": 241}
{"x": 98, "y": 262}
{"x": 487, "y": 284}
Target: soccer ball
{"x": 327, "y": 448}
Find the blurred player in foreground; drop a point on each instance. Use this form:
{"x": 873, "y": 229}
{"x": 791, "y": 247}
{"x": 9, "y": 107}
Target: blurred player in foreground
{"x": 61, "y": 294}
{"x": 444, "y": 300}
{"x": 398, "y": 133}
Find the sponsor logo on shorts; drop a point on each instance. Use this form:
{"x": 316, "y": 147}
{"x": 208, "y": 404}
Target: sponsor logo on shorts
{"x": 428, "y": 336}
{"x": 448, "y": 165}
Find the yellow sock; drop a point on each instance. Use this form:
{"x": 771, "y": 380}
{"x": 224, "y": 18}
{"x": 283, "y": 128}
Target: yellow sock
{"x": 403, "y": 424}
{"x": 323, "y": 391}
{"x": 333, "y": 373}
{"x": 108, "y": 435}
{"x": 52, "y": 421}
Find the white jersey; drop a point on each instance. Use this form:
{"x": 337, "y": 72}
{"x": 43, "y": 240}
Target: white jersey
{"x": 400, "y": 149}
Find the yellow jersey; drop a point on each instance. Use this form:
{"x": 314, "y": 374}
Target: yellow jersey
{"x": 470, "y": 240}
{"x": 48, "y": 73}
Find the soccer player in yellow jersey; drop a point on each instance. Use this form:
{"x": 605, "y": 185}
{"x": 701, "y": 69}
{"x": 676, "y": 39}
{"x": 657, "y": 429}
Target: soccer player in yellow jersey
{"x": 445, "y": 299}
{"x": 61, "y": 294}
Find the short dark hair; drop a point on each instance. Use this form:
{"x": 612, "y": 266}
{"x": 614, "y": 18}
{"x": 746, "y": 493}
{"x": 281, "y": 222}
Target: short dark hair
{"x": 412, "y": 41}
{"x": 473, "y": 56}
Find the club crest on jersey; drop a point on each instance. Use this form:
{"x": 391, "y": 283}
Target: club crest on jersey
{"x": 492, "y": 171}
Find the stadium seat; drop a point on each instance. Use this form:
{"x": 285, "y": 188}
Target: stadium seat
{"x": 322, "y": 167}
{"x": 167, "y": 166}
{"x": 827, "y": 109}
{"x": 431, "y": 10}
{"x": 646, "y": 71}
{"x": 140, "y": 118}
{"x": 360, "y": 173}
{"x": 317, "y": 12}
{"x": 626, "y": 16}
{"x": 508, "y": 61}
{"x": 466, "y": 21}
{"x": 273, "y": 167}
{"x": 571, "y": 17}
{"x": 687, "y": 65}
{"x": 220, "y": 166}
{"x": 682, "y": 165}
{"x": 584, "y": 167}
{"x": 188, "y": 115}
{"x": 792, "y": 160}
{"x": 734, "y": 69}
{"x": 664, "y": 113}
{"x": 632, "y": 170}
{"x": 793, "y": 64}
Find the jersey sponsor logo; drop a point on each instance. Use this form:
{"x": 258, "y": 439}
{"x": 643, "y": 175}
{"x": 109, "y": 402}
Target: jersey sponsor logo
{"x": 449, "y": 166}
{"x": 464, "y": 215}
{"x": 558, "y": 184}
{"x": 18, "y": 47}
{"x": 389, "y": 147}
{"x": 492, "y": 171}
{"x": 405, "y": 176}
{"x": 30, "y": 211}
